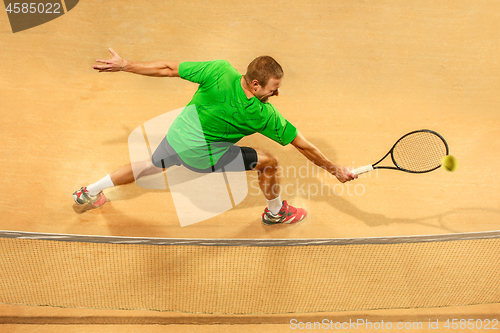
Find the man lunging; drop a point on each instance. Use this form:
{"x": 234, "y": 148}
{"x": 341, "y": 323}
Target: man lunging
{"x": 227, "y": 107}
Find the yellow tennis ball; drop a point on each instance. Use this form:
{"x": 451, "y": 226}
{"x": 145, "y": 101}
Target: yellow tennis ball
{"x": 449, "y": 163}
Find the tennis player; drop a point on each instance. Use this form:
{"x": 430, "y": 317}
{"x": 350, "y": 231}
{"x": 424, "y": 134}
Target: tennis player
{"x": 229, "y": 106}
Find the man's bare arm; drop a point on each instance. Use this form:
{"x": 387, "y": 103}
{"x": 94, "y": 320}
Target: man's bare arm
{"x": 153, "y": 68}
{"x": 312, "y": 153}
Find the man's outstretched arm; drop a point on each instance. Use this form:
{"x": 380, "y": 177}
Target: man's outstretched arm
{"x": 312, "y": 153}
{"x": 154, "y": 68}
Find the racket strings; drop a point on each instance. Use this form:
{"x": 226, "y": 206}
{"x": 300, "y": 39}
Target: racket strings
{"x": 419, "y": 152}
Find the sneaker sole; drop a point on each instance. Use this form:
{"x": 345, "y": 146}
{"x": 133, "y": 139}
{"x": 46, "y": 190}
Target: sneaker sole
{"x": 98, "y": 203}
{"x": 274, "y": 223}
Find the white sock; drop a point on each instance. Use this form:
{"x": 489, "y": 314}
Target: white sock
{"x": 274, "y": 205}
{"x": 102, "y": 184}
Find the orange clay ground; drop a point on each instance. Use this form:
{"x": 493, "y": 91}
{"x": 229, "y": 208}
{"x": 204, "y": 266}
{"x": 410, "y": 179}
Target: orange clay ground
{"x": 358, "y": 75}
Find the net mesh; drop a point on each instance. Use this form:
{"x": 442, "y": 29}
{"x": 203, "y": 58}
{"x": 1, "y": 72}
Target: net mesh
{"x": 249, "y": 279}
{"x": 419, "y": 152}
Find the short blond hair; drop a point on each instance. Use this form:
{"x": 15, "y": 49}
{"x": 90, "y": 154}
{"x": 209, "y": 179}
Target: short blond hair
{"x": 262, "y": 69}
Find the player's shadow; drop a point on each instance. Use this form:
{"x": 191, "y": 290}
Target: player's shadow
{"x": 126, "y": 192}
{"x": 341, "y": 204}
{"x": 80, "y": 209}
{"x": 121, "y": 224}
{"x": 338, "y": 202}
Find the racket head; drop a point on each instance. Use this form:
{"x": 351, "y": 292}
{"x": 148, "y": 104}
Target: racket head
{"x": 419, "y": 151}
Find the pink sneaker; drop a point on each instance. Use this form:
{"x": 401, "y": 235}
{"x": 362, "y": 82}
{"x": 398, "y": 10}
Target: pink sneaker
{"x": 287, "y": 214}
{"x": 82, "y": 197}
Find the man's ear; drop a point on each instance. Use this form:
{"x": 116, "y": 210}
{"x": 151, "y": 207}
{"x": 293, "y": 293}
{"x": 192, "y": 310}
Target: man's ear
{"x": 255, "y": 85}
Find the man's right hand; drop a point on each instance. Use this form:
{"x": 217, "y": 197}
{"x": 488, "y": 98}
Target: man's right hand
{"x": 344, "y": 174}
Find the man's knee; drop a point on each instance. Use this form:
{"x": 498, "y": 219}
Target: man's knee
{"x": 266, "y": 160}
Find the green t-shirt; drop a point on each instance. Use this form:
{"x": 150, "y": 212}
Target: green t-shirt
{"x": 220, "y": 114}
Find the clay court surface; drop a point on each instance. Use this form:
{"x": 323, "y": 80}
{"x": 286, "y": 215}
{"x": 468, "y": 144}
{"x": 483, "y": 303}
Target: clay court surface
{"x": 358, "y": 75}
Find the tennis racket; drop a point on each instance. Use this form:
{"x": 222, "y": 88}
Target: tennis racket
{"x": 416, "y": 152}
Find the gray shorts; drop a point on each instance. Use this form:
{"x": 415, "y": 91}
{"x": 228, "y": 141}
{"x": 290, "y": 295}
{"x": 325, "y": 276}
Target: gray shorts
{"x": 165, "y": 157}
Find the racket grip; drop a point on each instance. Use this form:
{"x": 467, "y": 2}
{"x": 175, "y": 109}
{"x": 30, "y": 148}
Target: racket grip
{"x": 362, "y": 169}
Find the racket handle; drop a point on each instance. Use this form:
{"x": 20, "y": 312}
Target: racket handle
{"x": 362, "y": 169}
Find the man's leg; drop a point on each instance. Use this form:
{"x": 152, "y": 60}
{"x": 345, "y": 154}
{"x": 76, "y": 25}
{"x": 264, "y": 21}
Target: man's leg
{"x": 125, "y": 174}
{"x": 277, "y": 212}
{"x": 163, "y": 157}
{"x": 93, "y": 195}
{"x": 267, "y": 168}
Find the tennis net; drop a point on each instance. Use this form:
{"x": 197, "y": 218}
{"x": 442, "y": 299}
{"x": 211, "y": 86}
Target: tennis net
{"x": 249, "y": 276}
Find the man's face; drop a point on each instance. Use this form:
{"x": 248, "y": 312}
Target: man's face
{"x": 271, "y": 89}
